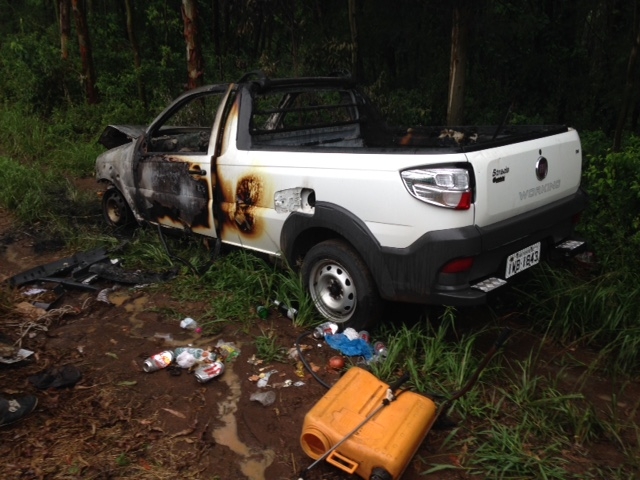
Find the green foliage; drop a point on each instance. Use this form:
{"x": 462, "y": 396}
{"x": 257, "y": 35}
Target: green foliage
{"x": 268, "y": 349}
{"x": 612, "y": 219}
{"x": 602, "y": 313}
{"x": 24, "y": 193}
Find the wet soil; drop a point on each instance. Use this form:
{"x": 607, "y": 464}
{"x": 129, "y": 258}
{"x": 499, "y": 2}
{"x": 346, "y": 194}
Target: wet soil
{"x": 119, "y": 421}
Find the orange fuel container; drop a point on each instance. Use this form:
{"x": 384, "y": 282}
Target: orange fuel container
{"x": 388, "y": 440}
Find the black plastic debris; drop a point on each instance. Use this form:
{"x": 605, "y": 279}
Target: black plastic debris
{"x": 66, "y": 376}
{"x": 78, "y": 262}
{"x": 116, "y": 273}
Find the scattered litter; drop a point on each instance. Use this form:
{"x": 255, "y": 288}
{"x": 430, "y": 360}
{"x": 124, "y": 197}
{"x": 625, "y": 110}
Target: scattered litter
{"x": 300, "y": 369}
{"x": 34, "y": 291}
{"x": 299, "y": 383}
{"x": 364, "y": 335}
{"x": 287, "y": 383}
{"x": 254, "y": 361}
{"x": 336, "y": 362}
{"x": 158, "y": 361}
{"x": 265, "y": 398}
{"x": 327, "y": 328}
{"x": 285, "y": 310}
{"x": 348, "y": 347}
{"x": 66, "y": 376}
{"x": 187, "y": 357}
{"x": 350, "y": 333}
{"x": 208, "y": 371}
{"x": 103, "y": 295}
{"x": 189, "y": 324}
{"x": 293, "y": 353}
{"x": 228, "y": 351}
{"x": 166, "y": 337}
{"x": 116, "y": 273}
{"x": 264, "y": 378}
{"x": 14, "y": 356}
{"x": 186, "y": 360}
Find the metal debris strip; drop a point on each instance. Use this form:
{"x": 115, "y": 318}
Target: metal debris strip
{"x": 78, "y": 263}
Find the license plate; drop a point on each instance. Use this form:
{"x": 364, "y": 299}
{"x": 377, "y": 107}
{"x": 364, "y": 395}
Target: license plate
{"x": 525, "y": 258}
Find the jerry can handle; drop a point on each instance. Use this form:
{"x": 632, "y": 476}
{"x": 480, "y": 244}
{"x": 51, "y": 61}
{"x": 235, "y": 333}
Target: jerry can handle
{"x": 342, "y": 462}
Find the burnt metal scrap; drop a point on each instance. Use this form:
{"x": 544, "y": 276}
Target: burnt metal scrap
{"x": 79, "y": 272}
{"x": 115, "y": 273}
{"x": 78, "y": 263}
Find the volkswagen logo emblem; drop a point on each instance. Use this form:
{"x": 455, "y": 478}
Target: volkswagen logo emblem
{"x": 542, "y": 168}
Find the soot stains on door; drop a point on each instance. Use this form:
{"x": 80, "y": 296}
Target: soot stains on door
{"x": 173, "y": 191}
{"x": 248, "y": 195}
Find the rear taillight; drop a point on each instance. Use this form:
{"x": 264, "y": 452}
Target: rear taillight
{"x": 445, "y": 187}
{"x": 458, "y": 265}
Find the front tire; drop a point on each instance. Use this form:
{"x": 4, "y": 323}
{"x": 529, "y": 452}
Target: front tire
{"x": 341, "y": 285}
{"x": 115, "y": 210}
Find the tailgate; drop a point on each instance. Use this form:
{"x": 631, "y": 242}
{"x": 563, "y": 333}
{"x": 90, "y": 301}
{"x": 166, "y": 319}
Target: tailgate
{"x": 510, "y": 179}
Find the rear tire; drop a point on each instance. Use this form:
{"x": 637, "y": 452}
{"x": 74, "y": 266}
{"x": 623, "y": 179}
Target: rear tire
{"x": 115, "y": 209}
{"x": 341, "y": 285}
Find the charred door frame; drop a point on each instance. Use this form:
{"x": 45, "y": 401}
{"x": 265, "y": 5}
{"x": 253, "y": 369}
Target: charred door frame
{"x": 185, "y": 180}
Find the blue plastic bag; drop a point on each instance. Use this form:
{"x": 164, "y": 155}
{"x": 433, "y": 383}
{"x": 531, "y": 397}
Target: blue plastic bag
{"x": 350, "y": 348}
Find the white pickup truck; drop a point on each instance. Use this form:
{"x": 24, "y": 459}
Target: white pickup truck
{"x": 305, "y": 169}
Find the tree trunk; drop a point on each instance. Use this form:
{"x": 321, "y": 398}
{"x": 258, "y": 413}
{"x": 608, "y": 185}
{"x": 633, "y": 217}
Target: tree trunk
{"x": 458, "y": 65}
{"x": 65, "y": 28}
{"x": 195, "y": 62}
{"x": 216, "y": 35}
{"x": 628, "y": 87}
{"x": 136, "y": 52}
{"x": 88, "y": 72}
{"x": 355, "y": 52}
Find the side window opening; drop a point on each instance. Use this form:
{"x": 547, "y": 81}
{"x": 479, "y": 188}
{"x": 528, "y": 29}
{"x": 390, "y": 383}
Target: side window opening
{"x": 187, "y": 129}
{"x": 306, "y": 118}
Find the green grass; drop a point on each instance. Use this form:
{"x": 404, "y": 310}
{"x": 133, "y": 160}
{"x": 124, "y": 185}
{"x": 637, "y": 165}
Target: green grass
{"x": 601, "y": 312}
{"x": 268, "y": 349}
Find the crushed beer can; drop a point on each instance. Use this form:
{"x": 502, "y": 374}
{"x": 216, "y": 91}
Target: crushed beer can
{"x": 158, "y": 361}
{"x": 209, "y": 371}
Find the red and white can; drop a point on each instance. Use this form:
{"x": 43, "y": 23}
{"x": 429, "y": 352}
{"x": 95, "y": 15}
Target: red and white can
{"x": 207, "y": 371}
{"x": 364, "y": 335}
{"x": 380, "y": 349}
{"x": 158, "y": 361}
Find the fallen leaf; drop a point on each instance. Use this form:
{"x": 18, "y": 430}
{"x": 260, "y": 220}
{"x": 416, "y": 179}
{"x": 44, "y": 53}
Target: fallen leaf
{"x": 173, "y": 412}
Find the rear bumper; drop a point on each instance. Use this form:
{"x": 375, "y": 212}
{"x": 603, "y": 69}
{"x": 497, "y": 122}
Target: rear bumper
{"x": 413, "y": 274}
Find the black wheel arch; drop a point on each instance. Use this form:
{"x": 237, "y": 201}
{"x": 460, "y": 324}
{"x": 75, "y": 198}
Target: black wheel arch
{"x": 302, "y": 231}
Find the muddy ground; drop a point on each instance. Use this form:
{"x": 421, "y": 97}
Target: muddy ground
{"x": 121, "y": 422}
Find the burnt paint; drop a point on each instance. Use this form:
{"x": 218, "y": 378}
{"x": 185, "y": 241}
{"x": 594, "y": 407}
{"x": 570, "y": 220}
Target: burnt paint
{"x": 169, "y": 193}
{"x": 248, "y": 194}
